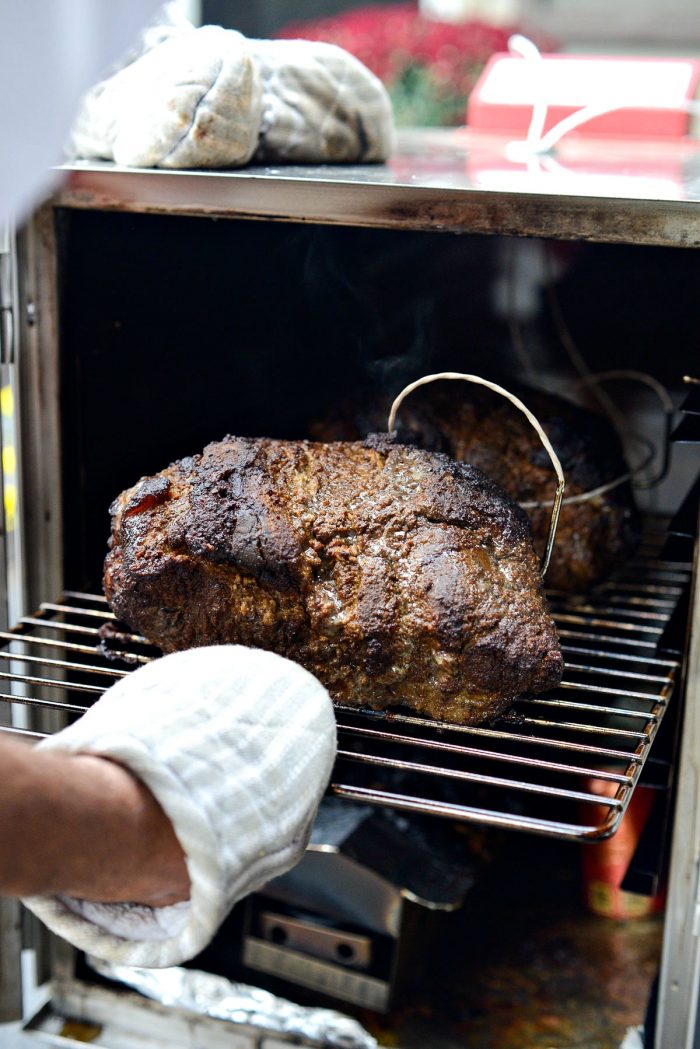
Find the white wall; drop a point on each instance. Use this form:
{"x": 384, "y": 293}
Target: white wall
{"x": 608, "y": 24}
{"x": 624, "y": 22}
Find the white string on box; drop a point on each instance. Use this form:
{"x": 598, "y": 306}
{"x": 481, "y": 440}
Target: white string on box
{"x": 535, "y": 142}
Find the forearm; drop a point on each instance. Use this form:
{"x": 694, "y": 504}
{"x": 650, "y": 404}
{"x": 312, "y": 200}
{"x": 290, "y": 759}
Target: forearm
{"x": 83, "y": 826}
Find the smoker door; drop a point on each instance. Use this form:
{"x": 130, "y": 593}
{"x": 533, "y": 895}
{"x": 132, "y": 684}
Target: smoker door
{"x": 10, "y": 562}
{"x": 678, "y": 1018}
{"x": 10, "y": 582}
{"x": 30, "y": 535}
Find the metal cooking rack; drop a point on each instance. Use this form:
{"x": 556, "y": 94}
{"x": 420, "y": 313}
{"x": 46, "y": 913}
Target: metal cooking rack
{"x": 563, "y": 763}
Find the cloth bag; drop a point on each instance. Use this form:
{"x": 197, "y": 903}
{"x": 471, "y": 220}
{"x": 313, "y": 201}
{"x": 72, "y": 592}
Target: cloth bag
{"x": 209, "y": 98}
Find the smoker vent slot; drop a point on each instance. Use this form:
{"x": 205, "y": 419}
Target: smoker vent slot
{"x": 563, "y": 763}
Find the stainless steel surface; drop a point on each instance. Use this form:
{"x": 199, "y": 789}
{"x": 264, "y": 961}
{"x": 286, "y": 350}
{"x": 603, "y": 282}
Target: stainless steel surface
{"x": 10, "y": 911}
{"x": 319, "y": 941}
{"x": 437, "y": 179}
{"x": 7, "y": 299}
{"x": 10, "y": 948}
{"x": 537, "y": 768}
{"x": 190, "y": 994}
{"x": 350, "y": 892}
{"x": 323, "y": 977}
{"x": 677, "y": 1017}
{"x": 39, "y": 529}
{"x": 9, "y": 304}
{"x": 185, "y": 1009}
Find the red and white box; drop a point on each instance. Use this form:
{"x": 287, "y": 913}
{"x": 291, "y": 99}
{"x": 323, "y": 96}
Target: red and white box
{"x": 647, "y": 98}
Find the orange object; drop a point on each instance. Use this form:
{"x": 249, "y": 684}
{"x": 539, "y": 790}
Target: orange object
{"x": 605, "y": 863}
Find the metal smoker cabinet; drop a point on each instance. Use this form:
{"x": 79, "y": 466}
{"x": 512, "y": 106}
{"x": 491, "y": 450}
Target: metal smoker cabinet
{"x": 437, "y": 182}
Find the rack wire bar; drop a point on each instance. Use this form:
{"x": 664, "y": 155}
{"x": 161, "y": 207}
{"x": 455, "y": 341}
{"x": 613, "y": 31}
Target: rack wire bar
{"x": 563, "y": 763}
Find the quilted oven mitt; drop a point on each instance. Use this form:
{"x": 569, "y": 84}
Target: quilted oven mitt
{"x": 237, "y": 745}
{"x": 209, "y": 98}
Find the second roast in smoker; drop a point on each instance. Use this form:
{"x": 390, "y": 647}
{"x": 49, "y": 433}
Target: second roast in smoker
{"x": 475, "y": 425}
{"x": 395, "y": 575}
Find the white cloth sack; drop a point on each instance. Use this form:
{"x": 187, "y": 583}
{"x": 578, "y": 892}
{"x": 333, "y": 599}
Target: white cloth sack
{"x": 209, "y": 98}
{"x": 237, "y": 745}
{"x": 320, "y": 104}
{"x": 193, "y": 100}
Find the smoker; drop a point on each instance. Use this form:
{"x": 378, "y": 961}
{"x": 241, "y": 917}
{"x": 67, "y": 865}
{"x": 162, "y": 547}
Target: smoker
{"x": 145, "y": 313}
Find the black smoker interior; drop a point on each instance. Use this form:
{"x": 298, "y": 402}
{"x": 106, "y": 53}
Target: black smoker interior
{"x": 175, "y": 331}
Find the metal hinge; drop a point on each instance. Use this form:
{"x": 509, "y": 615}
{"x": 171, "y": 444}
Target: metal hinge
{"x": 696, "y": 900}
{"x": 7, "y": 317}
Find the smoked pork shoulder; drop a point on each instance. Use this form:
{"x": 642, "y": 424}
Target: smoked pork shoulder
{"x": 477, "y": 426}
{"x": 394, "y": 574}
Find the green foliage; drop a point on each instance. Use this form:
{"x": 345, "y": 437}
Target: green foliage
{"x": 421, "y": 100}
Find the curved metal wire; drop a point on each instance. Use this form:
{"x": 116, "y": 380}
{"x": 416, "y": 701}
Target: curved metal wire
{"x": 477, "y": 380}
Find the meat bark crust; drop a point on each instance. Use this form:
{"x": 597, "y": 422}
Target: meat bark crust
{"x": 395, "y": 575}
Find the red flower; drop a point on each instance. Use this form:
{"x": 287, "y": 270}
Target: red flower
{"x": 393, "y": 39}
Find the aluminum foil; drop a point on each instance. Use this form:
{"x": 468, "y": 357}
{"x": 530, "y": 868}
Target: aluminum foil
{"x": 219, "y": 998}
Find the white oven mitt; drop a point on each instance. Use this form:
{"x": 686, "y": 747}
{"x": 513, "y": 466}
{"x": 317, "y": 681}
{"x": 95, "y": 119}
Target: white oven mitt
{"x": 209, "y": 98}
{"x": 237, "y": 745}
